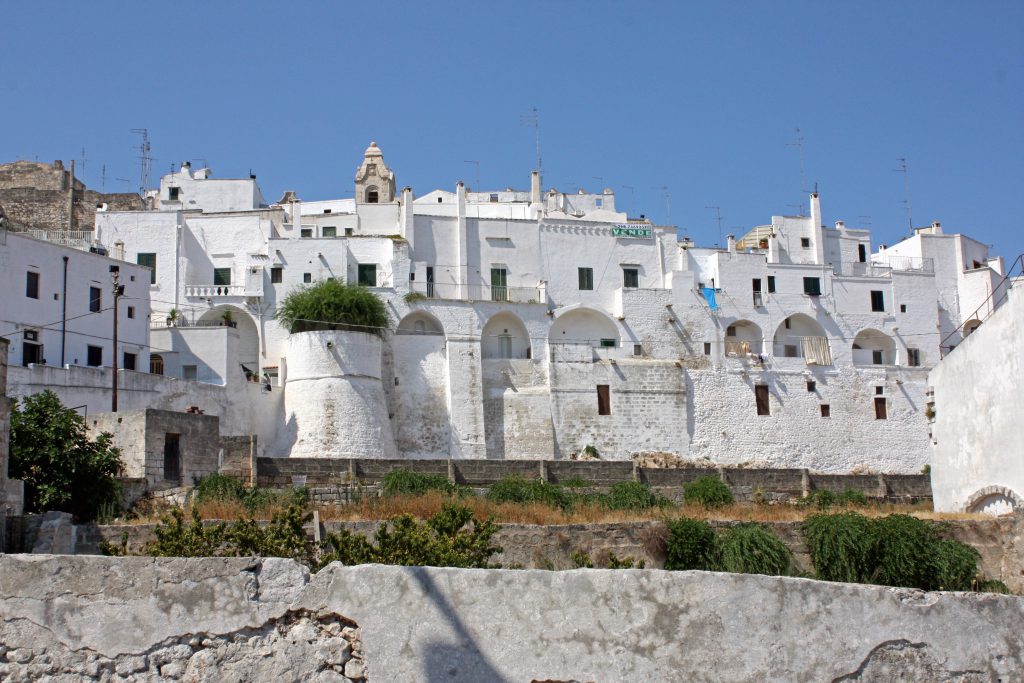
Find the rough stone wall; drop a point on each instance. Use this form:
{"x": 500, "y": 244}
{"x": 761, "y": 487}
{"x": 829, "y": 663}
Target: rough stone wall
{"x": 35, "y": 195}
{"x": 237, "y": 455}
{"x": 238, "y": 619}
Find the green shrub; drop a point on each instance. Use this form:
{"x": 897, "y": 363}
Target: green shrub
{"x": 750, "y": 548}
{"x": 627, "y": 562}
{"x": 214, "y": 488}
{"x": 690, "y": 545}
{"x": 332, "y": 305}
{"x": 406, "y": 482}
{"x": 852, "y": 498}
{"x": 581, "y": 560}
{"x": 955, "y": 566}
{"x": 903, "y": 547}
{"x": 824, "y": 499}
{"x": 992, "y": 586}
{"x": 632, "y": 495}
{"x": 576, "y": 482}
{"x": 413, "y": 297}
{"x": 711, "y": 492}
{"x": 841, "y": 546}
{"x": 519, "y": 490}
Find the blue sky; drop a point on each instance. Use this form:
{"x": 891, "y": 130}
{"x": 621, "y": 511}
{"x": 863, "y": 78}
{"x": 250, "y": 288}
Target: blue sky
{"x": 700, "y": 97}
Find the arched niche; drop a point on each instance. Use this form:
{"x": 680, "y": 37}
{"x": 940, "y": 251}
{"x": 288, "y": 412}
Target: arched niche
{"x": 584, "y": 326}
{"x": 799, "y": 336}
{"x": 994, "y": 500}
{"x": 420, "y": 322}
{"x": 743, "y": 337}
{"x": 872, "y": 347}
{"x": 505, "y": 336}
{"x": 243, "y": 323}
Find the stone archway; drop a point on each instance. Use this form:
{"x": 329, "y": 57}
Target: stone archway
{"x": 994, "y": 500}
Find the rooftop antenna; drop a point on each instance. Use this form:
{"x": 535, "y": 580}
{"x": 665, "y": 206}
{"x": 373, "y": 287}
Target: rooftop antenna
{"x": 144, "y": 158}
{"x": 83, "y": 162}
{"x": 532, "y": 119}
{"x": 103, "y": 179}
{"x": 718, "y": 217}
{"x": 905, "y": 170}
{"x": 600, "y": 182}
{"x": 668, "y": 203}
{"x": 206, "y": 162}
{"x": 474, "y": 161}
{"x": 865, "y": 221}
{"x": 798, "y": 142}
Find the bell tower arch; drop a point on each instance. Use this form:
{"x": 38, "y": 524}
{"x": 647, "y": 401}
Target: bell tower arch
{"x": 375, "y": 182}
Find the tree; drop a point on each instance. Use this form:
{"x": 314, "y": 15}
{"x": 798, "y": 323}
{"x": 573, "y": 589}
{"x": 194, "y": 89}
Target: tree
{"x": 333, "y": 305}
{"x": 62, "y": 469}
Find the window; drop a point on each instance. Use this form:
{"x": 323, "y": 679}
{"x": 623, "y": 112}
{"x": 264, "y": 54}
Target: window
{"x": 599, "y": 202}
{"x": 707, "y": 348}
{"x": 805, "y": 242}
{"x": 439, "y": 200}
{"x": 306, "y": 232}
{"x": 31, "y": 349}
{"x": 730, "y": 331}
{"x": 604, "y": 400}
{"x": 172, "y": 457}
{"x": 880, "y": 410}
{"x": 368, "y": 274}
{"x": 173, "y": 193}
{"x": 811, "y": 385}
{"x": 32, "y": 285}
{"x": 275, "y": 274}
{"x": 149, "y": 261}
{"x": 131, "y": 312}
{"x": 876, "y": 358}
{"x": 372, "y": 196}
{"x": 638, "y": 349}
{"x": 348, "y": 232}
{"x": 608, "y": 344}
{"x": 862, "y": 253}
{"x": 156, "y": 364}
{"x": 307, "y": 277}
{"x": 95, "y": 299}
{"x": 586, "y": 276}
{"x": 761, "y": 398}
{"x": 903, "y": 308}
{"x": 812, "y": 286}
{"x": 877, "y": 301}
{"x": 94, "y": 356}
{"x": 329, "y": 231}
{"x": 499, "y": 284}
{"x": 129, "y": 361}
{"x": 756, "y": 284}
{"x": 914, "y": 357}
{"x": 327, "y": 210}
{"x": 494, "y": 198}
{"x": 771, "y": 284}
{"x": 879, "y": 390}
{"x": 826, "y": 410}
{"x": 222, "y": 276}
{"x": 631, "y": 277}
{"x": 789, "y": 351}
{"x": 190, "y": 372}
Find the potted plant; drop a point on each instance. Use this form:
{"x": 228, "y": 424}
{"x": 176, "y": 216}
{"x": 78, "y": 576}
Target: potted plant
{"x": 226, "y": 319}
{"x": 172, "y": 317}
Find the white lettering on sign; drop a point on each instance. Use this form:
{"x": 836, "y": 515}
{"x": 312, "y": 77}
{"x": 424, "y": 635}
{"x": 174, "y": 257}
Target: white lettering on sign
{"x": 636, "y": 230}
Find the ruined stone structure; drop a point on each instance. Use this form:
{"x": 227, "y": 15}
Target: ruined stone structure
{"x": 49, "y": 197}
{"x": 164, "y": 619}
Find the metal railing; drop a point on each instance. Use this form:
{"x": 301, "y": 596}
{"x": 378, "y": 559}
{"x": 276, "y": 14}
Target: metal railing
{"x": 992, "y": 302}
{"x": 76, "y": 239}
{"x": 478, "y": 292}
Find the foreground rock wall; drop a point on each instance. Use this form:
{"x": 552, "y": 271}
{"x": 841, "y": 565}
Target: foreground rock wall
{"x": 238, "y": 619}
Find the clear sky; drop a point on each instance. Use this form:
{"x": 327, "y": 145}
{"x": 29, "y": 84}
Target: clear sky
{"x": 701, "y": 98}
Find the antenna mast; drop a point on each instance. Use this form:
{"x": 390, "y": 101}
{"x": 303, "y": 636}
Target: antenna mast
{"x": 532, "y": 119}
{"x": 144, "y": 159}
{"x": 798, "y": 142}
{"x": 905, "y": 170}
{"x": 474, "y": 161}
{"x": 668, "y": 203}
{"x": 718, "y": 217}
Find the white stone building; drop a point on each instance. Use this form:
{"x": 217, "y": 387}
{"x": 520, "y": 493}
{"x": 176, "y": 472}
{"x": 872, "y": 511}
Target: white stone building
{"x": 531, "y": 324}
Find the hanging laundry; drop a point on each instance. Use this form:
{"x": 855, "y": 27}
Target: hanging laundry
{"x": 709, "y": 296}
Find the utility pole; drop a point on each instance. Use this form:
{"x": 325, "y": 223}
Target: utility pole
{"x": 118, "y": 291}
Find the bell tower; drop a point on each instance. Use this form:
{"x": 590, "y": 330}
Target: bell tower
{"x": 375, "y": 182}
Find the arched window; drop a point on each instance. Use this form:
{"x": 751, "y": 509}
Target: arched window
{"x": 156, "y": 364}
{"x": 372, "y": 196}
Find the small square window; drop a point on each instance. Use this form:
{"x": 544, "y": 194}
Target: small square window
{"x": 586, "y": 278}
{"x": 903, "y": 308}
{"x": 439, "y": 200}
{"x": 129, "y": 361}
{"x": 173, "y": 193}
{"x": 190, "y": 372}
{"x": 348, "y": 232}
{"x": 812, "y": 385}
{"x": 914, "y": 357}
{"x": 608, "y": 343}
{"x": 638, "y": 349}
{"x": 131, "y": 311}
{"x": 631, "y": 277}
{"x": 306, "y": 232}
{"x": 812, "y": 286}
{"x": 805, "y": 242}
{"x": 222, "y": 276}
{"x": 94, "y": 356}
{"x": 826, "y": 410}
{"x": 32, "y": 285}
{"x": 771, "y": 284}
{"x": 307, "y": 277}
{"x": 368, "y": 274}
{"x": 877, "y": 358}
{"x": 329, "y": 231}
{"x": 707, "y": 348}
{"x": 730, "y": 331}
{"x": 494, "y": 198}
{"x": 879, "y": 390}
{"x": 276, "y": 273}
{"x": 327, "y": 210}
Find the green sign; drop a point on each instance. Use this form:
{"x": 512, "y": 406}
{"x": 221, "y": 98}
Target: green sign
{"x": 635, "y": 230}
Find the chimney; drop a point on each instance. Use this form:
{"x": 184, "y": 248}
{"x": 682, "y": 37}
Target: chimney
{"x": 407, "y": 216}
{"x": 535, "y": 187}
{"x": 730, "y": 243}
{"x": 840, "y": 225}
{"x": 71, "y": 197}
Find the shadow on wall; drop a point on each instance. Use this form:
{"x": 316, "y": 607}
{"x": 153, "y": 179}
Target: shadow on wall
{"x": 453, "y": 662}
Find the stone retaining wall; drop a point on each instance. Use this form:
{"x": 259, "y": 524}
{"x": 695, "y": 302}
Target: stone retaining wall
{"x": 165, "y": 619}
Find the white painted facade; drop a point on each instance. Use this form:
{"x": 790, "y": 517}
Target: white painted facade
{"x": 978, "y": 459}
{"x": 518, "y": 317}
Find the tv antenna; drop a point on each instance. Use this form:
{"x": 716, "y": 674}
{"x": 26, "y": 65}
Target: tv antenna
{"x": 83, "y": 162}
{"x": 532, "y": 119}
{"x": 718, "y": 218}
{"x": 865, "y": 221}
{"x": 474, "y": 161}
{"x": 905, "y": 170}
{"x": 798, "y": 142}
{"x": 144, "y": 158}
{"x": 668, "y": 203}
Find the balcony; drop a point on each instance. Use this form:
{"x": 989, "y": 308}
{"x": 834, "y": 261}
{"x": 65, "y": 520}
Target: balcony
{"x": 885, "y": 265}
{"x": 518, "y": 295}
{"x": 812, "y": 350}
{"x": 214, "y": 291}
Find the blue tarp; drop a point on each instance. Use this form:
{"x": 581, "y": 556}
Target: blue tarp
{"x": 709, "y": 296}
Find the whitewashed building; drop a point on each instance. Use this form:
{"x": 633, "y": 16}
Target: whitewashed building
{"x": 532, "y": 324}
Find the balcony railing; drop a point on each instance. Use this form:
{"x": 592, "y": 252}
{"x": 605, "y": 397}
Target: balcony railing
{"x": 437, "y": 290}
{"x": 213, "y": 291}
{"x": 76, "y": 239}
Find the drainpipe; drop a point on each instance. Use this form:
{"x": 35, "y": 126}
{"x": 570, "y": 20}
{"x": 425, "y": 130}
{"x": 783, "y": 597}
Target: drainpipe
{"x": 64, "y": 313}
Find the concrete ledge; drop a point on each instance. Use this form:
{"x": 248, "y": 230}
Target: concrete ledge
{"x": 488, "y": 625}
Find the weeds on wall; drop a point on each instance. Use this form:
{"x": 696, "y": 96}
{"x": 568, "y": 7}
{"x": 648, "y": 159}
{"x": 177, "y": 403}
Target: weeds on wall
{"x": 711, "y": 492}
{"x": 221, "y": 488}
{"x": 823, "y": 500}
{"x": 690, "y": 545}
{"x": 746, "y": 548}
{"x": 406, "y": 482}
